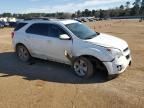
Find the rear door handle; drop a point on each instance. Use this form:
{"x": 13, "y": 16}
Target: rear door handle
{"x": 49, "y": 41}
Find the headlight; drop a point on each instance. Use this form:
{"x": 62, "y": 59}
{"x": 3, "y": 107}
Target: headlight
{"x": 116, "y": 53}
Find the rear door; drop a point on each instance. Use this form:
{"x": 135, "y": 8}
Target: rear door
{"x": 38, "y": 38}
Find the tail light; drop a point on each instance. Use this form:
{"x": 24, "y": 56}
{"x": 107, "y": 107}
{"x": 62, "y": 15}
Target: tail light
{"x": 12, "y": 35}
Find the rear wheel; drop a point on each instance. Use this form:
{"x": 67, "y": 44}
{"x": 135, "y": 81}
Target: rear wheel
{"x": 83, "y": 67}
{"x": 23, "y": 53}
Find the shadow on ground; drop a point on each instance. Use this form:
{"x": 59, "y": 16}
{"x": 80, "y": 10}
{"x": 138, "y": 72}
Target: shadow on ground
{"x": 42, "y": 70}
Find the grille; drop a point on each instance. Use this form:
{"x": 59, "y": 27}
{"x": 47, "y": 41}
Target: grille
{"x": 126, "y": 49}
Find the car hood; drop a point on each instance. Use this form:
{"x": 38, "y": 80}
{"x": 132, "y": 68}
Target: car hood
{"x": 106, "y": 40}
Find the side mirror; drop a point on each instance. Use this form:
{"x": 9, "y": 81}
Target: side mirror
{"x": 64, "y": 37}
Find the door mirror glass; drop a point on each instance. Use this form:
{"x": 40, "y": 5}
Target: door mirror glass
{"x": 64, "y": 37}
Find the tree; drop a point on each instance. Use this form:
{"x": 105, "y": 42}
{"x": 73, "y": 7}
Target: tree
{"x": 121, "y": 7}
{"x": 137, "y": 2}
{"x": 135, "y": 10}
{"x": 97, "y": 14}
{"x": 73, "y": 16}
{"x": 78, "y": 13}
{"x": 103, "y": 14}
{"x": 127, "y": 10}
{"x": 66, "y": 15}
{"x": 83, "y": 13}
{"x": 127, "y": 5}
{"x": 93, "y": 12}
{"x": 87, "y": 12}
{"x": 114, "y": 12}
{"x": 142, "y": 8}
{"x": 7, "y": 15}
{"x": 60, "y": 15}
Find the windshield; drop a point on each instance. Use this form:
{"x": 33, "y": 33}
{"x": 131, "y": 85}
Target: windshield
{"x": 81, "y": 31}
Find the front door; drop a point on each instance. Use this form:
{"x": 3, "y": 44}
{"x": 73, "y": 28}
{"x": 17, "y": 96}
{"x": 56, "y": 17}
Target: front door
{"x": 55, "y": 46}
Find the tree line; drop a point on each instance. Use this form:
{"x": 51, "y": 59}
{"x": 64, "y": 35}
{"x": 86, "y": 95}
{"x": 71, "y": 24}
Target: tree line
{"x": 137, "y": 9}
{"x": 122, "y": 10}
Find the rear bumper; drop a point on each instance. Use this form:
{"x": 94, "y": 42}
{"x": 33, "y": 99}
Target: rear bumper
{"x": 117, "y": 66}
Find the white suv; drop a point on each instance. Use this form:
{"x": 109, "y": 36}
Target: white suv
{"x": 73, "y": 43}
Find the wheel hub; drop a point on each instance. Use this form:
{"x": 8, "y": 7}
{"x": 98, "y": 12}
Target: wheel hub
{"x": 23, "y": 54}
{"x": 80, "y": 67}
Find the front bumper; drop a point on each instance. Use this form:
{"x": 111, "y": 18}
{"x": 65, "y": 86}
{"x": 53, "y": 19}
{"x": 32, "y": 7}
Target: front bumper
{"x": 118, "y": 65}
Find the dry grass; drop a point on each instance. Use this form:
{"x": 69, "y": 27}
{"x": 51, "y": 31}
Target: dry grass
{"x": 44, "y": 90}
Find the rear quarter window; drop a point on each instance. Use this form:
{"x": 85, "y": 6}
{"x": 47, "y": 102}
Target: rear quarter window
{"x": 19, "y": 26}
{"x": 38, "y": 29}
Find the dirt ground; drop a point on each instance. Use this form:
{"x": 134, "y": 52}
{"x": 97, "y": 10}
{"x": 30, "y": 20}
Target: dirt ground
{"x": 47, "y": 84}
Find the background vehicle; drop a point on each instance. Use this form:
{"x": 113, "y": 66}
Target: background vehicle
{"x": 6, "y": 24}
{"x": 12, "y": 24}
{"x": 1, "y": 25}
{"x": 73, "y": 43}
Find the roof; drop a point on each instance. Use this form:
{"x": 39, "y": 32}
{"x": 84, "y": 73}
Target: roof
{"x": 68, "y": 21}
{"x": 63, "y": 21}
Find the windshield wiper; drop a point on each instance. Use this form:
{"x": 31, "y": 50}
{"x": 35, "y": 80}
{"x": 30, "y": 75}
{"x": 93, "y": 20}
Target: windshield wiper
{"x": 92, "y": 36}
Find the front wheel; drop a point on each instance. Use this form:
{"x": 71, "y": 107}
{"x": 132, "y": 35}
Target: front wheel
{"x": 83, "y": 67}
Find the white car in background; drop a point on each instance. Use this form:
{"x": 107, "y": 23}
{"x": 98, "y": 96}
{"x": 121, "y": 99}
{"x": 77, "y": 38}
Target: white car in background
{"x": 73, "y": 43}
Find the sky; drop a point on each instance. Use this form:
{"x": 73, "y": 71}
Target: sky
{"x": 50, "y": 6}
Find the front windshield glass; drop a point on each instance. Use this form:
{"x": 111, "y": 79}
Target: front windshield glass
{"x": 81, "y": 31}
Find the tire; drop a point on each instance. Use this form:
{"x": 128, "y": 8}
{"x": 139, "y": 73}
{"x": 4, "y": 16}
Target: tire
{"x": 23, "y": 53}
{"x": 83, "y": 67}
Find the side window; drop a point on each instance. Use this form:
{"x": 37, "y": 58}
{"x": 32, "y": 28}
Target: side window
{"x": 19, "y": 26}
{"x": 55, "y": 31}
{"x": 38, "y": 29}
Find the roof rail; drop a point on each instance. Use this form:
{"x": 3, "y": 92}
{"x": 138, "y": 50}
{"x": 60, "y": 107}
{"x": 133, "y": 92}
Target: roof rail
{"x": 27, "y": 19}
